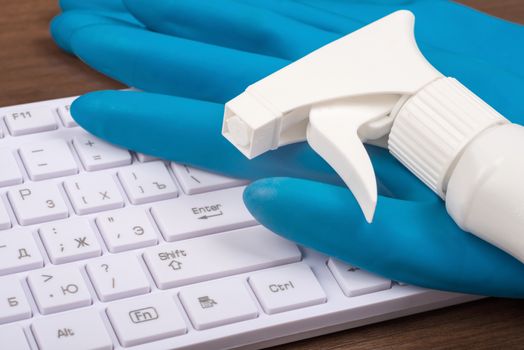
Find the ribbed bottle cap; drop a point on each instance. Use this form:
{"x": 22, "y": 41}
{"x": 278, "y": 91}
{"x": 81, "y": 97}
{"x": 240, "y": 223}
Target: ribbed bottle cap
{"x": 432, "y": 128}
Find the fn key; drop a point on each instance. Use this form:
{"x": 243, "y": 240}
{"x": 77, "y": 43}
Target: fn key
{"x": 146, "y": 319}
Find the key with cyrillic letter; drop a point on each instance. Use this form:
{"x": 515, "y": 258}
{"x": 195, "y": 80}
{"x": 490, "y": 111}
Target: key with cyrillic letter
{"x": 13, "y": 301}
{"x": 18, "y": 252}
{"x": 126, "y": 229}
{"x": 37, "y": 202}
{"x": 147, "y": 183}
{"x": 69, "y": 240}
{"x": 58, "y": 289}
{"x": 94, "y": 192}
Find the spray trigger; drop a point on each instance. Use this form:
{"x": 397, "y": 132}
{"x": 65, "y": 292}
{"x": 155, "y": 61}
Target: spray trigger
{"x": 337, "y": 97}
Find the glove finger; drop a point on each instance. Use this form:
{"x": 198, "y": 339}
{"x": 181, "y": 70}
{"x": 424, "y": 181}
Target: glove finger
{"x": 95, "y": 5}
{"x": 257, "y": 26}
{"x": 313, "y": 16}
{"x": 491, "y": 81}
{"x": 414, "y": 242}
{"x": 460, "y": 29}
{"x": 231, "y": 24}
{"x": 164, "y": 64}
{"x": 63, "y": 26}
{"x": 160, "y": 63}
{"x": 187, "y": 131}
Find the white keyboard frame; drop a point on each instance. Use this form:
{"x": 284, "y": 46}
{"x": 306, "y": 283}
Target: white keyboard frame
{"x": 338, "y": 313}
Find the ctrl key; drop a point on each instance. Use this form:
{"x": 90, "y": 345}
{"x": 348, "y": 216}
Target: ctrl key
{"x": 82, "y": 329}
{"x": 287, "y": 288}
{"x": 146, "y": 319}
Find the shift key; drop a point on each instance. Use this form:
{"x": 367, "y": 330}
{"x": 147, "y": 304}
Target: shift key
{"x": 201, "y": 214}
{"x": 219, "y": 255}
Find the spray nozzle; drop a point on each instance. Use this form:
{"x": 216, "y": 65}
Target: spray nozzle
{"x": 368, "y": 84}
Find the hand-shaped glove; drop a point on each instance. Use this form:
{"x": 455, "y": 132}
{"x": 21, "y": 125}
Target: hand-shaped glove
{"x": 195, "y": 55}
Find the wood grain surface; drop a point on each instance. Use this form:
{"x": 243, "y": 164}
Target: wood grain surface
{"x": 32, "y": 68}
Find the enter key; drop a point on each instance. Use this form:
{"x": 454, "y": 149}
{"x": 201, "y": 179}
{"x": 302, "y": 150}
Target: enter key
{"x": 197, "y": 215}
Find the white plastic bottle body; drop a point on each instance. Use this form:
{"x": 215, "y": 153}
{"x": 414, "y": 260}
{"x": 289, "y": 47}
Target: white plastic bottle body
{"x": 485, "y": 192}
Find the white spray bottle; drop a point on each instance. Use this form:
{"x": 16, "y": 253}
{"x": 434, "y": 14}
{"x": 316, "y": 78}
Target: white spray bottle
{"x": 375, "y": 86}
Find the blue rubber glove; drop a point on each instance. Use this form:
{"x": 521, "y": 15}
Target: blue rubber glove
{"x": 412, "y": 239}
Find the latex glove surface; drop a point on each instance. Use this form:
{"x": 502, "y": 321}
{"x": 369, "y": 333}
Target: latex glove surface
{"x": 195, "y": 55}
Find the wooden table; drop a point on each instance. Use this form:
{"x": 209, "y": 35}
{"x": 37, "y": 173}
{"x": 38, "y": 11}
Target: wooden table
{"x": 32, "y": 68}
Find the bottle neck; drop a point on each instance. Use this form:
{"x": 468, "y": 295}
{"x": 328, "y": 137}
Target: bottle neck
{"x": 434, "y": 127}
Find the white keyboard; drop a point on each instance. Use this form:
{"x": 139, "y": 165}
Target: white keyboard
{"x": 101, "y": 248}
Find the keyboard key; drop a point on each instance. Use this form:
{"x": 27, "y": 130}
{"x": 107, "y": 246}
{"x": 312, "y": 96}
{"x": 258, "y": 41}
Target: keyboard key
{"x": 117, "y": 276}
{"x": 218, "y": 255}
{"x": 69, "y": 240}
{"x": 93, "y": 193}
{"x": 81, "y": 329}
{"x": 195, "y": 181}
{"x": 58, "y": 289}
{"x": 18, "y": 252}
{"x": 10, "y": 174}
{"x": 354, "y": 281}
{"x": 146, "y": 319}
{"x": 147, "y": 183}
{"x": 5, "y": 221}
{"x": 13, "y": 301}
{"x": 64, "y": 111}
{"x": 144, "y": 158}
{"x": 190, "y": 216}
{"x": 48, "y": 159}
{"x": 96, "y": 154}
{"x": 286, "y": 288}
{"x": 37, "y": 202}
{"x": 217, "y": 303}
{"x": 14, "y": 336}
{"x": 29, "y": 121}
{"x": 126, "y": 229}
